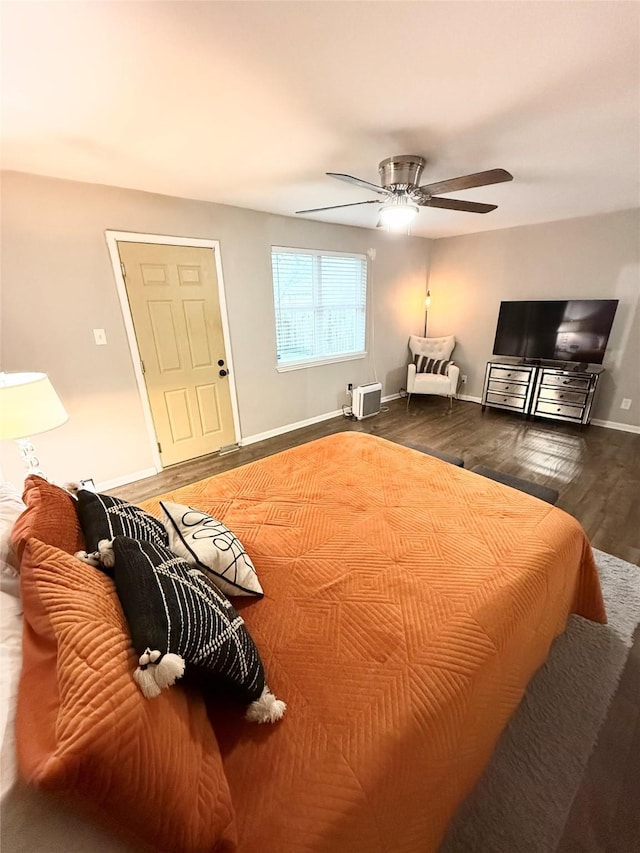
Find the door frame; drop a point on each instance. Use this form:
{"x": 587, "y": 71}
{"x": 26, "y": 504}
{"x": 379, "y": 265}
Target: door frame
{"x": 115, "y": 237}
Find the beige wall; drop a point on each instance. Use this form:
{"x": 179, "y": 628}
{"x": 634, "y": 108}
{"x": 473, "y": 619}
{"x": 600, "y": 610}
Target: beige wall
{"x": 595, "y": 257}
{"x": 58, "y": 285}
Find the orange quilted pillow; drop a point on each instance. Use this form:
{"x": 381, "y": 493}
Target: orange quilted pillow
{"x": 85, "y": 730}
{"x": 50, "y": 516}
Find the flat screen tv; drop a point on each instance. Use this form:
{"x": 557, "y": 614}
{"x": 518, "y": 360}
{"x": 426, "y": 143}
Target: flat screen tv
{"x": 555, "y": 330}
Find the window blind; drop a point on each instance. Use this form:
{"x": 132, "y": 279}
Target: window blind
{"x": 320, "y": 305}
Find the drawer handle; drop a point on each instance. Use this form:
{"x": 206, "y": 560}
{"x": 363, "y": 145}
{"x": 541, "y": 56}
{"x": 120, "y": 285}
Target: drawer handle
{"x": 558, "y": 409}
{"x": 561, "y": 396}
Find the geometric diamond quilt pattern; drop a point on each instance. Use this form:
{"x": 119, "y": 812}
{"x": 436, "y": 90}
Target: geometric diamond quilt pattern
{"x": 407, "y": 604}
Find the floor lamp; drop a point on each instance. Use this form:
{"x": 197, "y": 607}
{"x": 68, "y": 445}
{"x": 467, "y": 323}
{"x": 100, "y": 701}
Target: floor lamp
{"x": 28, "y": 405}
{"x": 427, "y": 305}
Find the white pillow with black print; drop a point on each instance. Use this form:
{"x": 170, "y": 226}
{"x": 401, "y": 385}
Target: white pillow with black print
{"x": 207, "y": 543}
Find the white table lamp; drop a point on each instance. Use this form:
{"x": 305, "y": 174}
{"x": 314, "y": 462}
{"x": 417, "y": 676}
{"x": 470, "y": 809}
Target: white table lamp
{"x": 28, "y": 405}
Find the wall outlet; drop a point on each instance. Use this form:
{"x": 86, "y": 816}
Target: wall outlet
{"x": 626, "y": 403}
{"x": 349, "y": 387}
{"x": 463, "y": 378}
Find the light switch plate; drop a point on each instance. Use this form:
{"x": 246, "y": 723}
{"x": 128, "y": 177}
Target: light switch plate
{"x": 100, "y": 337}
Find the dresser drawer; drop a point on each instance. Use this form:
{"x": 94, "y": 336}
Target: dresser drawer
{"x": 559, "y": 381}
{"x": 562, "y": 396}
{"x": 545, "y": 391}
{"x": 562, "y": 410}
{"x": 505, "y": 400}
{"x": 507, "y": 374}
{"x": 508, "y": 387}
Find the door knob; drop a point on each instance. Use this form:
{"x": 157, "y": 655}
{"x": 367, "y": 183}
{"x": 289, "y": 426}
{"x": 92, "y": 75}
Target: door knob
{"x": 223, "y": 372}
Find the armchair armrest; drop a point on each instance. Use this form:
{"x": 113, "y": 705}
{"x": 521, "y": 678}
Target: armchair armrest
{"x": 453, "y": 373}
{"x": 411, "y": 376}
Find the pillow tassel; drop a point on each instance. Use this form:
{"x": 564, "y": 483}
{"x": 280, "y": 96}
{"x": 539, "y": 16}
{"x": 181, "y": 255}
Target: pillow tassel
{"x": 146, "y": 682}
{"x": 92, "y": 559}
{"x": 157, "y": 672}
{"x": 266, "y": 709}
{"x": 107, "y": 556}
{"x": 168, "y": 670}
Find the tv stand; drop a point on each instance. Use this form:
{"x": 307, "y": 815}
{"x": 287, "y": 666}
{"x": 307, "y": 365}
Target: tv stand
{"x": 552, "y": 392}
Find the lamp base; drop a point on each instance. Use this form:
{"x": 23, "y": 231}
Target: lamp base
{"x": 31, "y": 461}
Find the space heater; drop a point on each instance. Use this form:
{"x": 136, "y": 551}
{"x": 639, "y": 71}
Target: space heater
{"x": 366, "y": 400}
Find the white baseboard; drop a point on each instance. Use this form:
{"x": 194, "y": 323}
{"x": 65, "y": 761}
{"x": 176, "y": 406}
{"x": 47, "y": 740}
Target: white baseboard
{"x": 260, "y": 436}
{"x": 253, "y": 439}
{"x": 615, "y": 425}
{"x": 126, "y": 479}
{"x": 595, "y": 421}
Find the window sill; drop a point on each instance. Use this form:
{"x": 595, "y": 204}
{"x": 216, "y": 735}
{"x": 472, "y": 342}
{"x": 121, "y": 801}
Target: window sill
{"x": 317, "y": 362}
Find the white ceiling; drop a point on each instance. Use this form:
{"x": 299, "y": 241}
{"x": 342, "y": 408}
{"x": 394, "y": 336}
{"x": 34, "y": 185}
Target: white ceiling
{"x": 250, "y": 103}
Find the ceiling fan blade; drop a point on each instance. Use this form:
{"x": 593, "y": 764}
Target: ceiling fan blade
{"x": 359, "y": 183}
{"x": 465, "y": 182}
{"x": 458, "y": 204}
{"x": 336, "y": 206}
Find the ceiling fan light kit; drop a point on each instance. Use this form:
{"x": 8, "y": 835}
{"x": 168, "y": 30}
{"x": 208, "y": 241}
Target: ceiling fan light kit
{"x": 398, "y": 213}
{"x": 400, "y": 186}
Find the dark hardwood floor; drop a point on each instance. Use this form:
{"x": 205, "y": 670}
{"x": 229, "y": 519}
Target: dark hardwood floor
{"x": 596, "y": 470}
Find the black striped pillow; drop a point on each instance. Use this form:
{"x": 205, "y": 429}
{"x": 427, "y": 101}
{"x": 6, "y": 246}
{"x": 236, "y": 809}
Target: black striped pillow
{"x": 173, "y": 609}
{"x": 424, "y": 364}
{"x": 103, "y": 517}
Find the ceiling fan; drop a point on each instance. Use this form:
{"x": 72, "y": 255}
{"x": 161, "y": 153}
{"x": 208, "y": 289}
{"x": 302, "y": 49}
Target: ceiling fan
{"x": 403, "y": 195}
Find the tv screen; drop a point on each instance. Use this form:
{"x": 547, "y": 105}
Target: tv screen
{"x": 555, "y": 330}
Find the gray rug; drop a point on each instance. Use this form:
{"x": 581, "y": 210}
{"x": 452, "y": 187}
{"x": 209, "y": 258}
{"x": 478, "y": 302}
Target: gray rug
{"x": 522, "y": 801}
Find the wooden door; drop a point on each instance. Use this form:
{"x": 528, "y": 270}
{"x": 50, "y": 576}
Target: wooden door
{"x": 173, "y": 296}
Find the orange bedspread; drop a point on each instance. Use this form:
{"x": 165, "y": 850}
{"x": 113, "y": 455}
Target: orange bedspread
{"x": 407, "y": 605}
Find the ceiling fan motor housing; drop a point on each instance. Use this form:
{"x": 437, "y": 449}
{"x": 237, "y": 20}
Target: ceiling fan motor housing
{"x": 401, "y": 171}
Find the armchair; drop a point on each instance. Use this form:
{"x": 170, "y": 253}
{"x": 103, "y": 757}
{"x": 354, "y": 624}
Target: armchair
{"x": 432, "y": 383}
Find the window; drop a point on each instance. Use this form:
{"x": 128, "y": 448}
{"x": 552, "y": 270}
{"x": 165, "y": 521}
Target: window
{"x": 320, "y": 306}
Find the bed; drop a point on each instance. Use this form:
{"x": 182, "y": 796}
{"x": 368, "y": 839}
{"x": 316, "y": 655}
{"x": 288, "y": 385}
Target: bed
{"x": 407, "y": 605}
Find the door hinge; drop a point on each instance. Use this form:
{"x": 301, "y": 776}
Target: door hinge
{"x": 159, "y": 448}
{"x": 142, "y": 366}
{"x": 124, "y": 272}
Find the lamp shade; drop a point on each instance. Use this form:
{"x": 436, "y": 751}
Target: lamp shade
{"x": 28, "y": 405}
